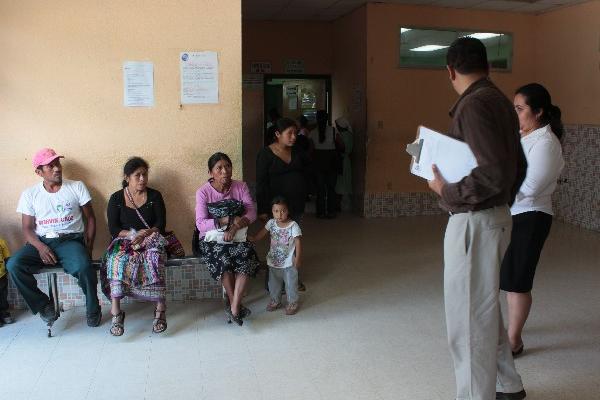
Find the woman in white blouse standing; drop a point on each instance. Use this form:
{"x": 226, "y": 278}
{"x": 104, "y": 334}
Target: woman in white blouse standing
{"x": 541, "y": 130}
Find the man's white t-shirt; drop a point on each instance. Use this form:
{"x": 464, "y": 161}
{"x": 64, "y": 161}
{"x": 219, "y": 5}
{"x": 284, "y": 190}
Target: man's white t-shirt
{"x": 58, "y": 212}
{"x": 283, "y": 244}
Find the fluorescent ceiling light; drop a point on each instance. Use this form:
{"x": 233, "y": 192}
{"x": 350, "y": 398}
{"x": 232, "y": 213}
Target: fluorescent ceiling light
{"x": 402, "y": 30}
{"x": 483, "y": 35}
{"x": 428, "y": 47}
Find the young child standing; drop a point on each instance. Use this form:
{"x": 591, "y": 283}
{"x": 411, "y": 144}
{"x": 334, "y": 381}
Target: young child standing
{"x": 5, "y": 317}
{"x": 284, "y": 255}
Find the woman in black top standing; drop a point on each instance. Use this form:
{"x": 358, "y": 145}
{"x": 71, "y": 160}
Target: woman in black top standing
{"x": 281, "y": 170}
{"x": 133, "y": 264}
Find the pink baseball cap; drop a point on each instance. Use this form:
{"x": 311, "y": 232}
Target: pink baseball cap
{"x": 44, "y": 157}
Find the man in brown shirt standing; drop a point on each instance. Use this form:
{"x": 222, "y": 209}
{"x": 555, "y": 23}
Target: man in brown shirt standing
{"x": 479, "y": 227}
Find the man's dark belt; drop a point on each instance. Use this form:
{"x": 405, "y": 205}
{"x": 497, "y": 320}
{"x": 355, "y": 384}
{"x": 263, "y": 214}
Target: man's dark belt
{"x": 451, "y": 213}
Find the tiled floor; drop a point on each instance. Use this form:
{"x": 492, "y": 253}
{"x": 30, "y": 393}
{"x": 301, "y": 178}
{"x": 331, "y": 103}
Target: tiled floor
{"x": 371, "y": 327}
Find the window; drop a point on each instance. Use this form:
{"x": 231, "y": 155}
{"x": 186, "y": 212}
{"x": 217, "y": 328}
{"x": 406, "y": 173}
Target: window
{"x": 426, "y": 48}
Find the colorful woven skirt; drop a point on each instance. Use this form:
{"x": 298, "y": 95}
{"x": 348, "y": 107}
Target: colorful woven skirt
{"x": 137, "y": 273}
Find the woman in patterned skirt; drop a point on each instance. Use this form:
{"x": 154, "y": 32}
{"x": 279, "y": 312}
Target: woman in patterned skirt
{"x": 224, "y": 209}
{"x": 133, "y": 264}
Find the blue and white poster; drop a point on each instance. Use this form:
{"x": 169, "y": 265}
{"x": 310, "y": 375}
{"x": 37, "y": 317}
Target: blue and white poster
{"x": 199, "y": 77}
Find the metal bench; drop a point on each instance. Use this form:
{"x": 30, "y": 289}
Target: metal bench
{"x": 52, "y": 276}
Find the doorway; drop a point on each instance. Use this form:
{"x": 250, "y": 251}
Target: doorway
{"x": 295, "y": 95}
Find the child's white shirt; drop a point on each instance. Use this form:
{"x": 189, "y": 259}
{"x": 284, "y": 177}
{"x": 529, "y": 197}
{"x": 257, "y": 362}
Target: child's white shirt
{"x": 283, "y": 244}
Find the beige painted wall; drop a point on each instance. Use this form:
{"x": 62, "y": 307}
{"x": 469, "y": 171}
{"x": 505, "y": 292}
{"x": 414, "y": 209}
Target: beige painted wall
{"x": 61, "y": 86}
{"x": 349, "y": 82}
{"x": 567, "y": 60}
{"x": 401, "y": 99}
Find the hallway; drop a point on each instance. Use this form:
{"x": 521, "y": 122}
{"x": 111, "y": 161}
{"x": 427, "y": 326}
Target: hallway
{"x": 370, "y": 327}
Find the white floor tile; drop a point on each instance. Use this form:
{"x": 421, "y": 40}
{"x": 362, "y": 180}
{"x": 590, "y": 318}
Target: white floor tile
{"x": 370, "y": 326}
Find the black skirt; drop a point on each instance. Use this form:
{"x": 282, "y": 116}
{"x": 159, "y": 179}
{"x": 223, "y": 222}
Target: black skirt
{"x": 237, "y": 258}
{"x": 529, "y": 232}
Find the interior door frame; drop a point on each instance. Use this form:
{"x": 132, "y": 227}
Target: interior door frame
{"x": 326, "y": 78}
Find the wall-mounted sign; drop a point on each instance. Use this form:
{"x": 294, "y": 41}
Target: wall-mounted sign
{"x": 291, "y": 91}
{"x": 138, "y": 84}
{"x": 260, "y": 67}
{"x": 199, "y": 72}
{"x": 294, "y": 66}
{"x": 252, "y": 81}
{"x": 292, "y": 95}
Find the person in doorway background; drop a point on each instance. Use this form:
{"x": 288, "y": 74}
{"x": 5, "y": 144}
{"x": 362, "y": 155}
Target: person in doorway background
{"x": 343, "y": 186}
{"x": 323, "y": 140}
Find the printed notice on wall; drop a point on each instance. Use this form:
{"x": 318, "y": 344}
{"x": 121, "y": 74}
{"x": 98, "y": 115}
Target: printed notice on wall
{"x": 138, "y": 84}
{"x": 294, "y": 66}
{"x": 199, "y": 77}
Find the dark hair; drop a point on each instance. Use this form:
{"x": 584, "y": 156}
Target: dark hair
{"x": 302, "y": 120}
{"x": 467, "y": 55}
{"x": 131, "y": 166}
{"x": 215, "y": 158}
{"x": 538, "y": 99}
{"x": 282, "y": 124}
{"x": 270, "y": 138}
{"x": 279, "y": 200}
{"x": 322, "y": 124}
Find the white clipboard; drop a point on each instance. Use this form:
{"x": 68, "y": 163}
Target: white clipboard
{"x": 454, "y": 158}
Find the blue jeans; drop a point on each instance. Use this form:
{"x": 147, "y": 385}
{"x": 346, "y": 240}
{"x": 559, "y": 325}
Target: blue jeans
{"x": 72, "y": 256}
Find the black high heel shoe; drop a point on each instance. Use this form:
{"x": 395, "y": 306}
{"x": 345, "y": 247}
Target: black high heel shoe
{"x": 519, "y": 350}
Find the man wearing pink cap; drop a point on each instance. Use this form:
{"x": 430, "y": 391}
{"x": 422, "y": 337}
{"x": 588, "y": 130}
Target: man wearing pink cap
{"x": 56, "y": 233}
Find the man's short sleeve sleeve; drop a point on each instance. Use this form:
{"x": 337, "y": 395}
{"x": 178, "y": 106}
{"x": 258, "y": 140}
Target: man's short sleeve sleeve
{"x": 25, "y": 205}
{"x": 82, "y": 194}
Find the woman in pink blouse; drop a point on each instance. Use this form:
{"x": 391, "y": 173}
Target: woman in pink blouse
{"x": 223, "y": 247}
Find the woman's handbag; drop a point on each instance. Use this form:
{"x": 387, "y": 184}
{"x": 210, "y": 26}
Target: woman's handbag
{"x": 173, "y": 248}
{"x": 225, "y": 208}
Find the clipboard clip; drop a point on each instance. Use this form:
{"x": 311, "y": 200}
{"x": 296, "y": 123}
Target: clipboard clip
{"x": 414, "y": 149}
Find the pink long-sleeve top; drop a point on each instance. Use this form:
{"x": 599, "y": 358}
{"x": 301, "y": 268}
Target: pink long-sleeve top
{"x": 207, "y": 194}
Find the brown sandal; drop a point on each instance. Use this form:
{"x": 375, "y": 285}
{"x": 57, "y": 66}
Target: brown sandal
{"x": 159, "y": 324}
{"x": 118, "y": 324}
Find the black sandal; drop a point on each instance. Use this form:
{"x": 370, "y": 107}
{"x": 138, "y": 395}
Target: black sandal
{"x": 235, "y": 318}
{"x": 244, "y": 312}
{"x": 118, "y": 324}
{"x": 159, "y": 324}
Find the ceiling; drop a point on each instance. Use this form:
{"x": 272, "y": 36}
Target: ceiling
{"x": 329, "y": 10}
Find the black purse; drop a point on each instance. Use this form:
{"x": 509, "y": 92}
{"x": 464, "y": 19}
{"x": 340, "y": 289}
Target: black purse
{"x": 225, "y": 208}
